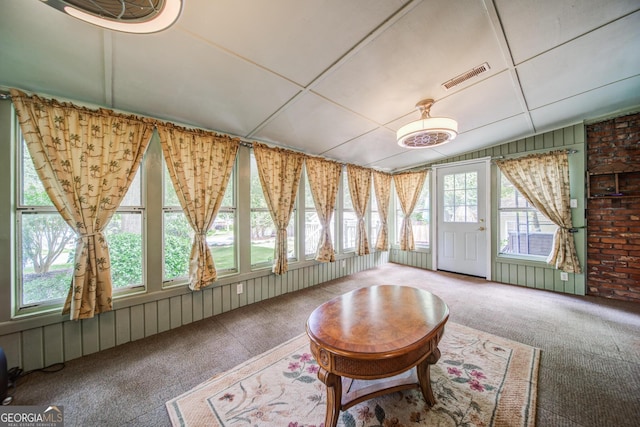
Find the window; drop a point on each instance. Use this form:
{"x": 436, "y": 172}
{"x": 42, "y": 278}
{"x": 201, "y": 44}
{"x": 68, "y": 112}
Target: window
{"x": 523, "y": 229}
{"x": 178, "y": 234}
{"x": 46, "y": 244}
{"x": 420, "y": 218}
{"x": 312, "y": 226}
{"x": 461, "y": 197}
{"x": 263, "y": 230}
{"x": 349, "y": 218}
{"x": 375, "y": 219}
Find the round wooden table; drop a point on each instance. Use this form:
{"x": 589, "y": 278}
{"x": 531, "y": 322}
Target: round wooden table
{"x": 375, "y": 333}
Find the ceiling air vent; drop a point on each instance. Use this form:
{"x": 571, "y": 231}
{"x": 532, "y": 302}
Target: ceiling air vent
{"x": 466, "y": 76}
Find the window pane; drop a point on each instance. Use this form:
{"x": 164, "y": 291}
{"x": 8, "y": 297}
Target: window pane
{"x": 523, "y": 230}
{"x": 257, "y": 196}
{"x": 347, "y": 203}
{"x": 448, "y": 182}
{"x": 375, "y": 219}
{"x": 525, "y": 233}
{"x": 309, "y": 204}
{"x": 349, "y": 219}
{"x": 170, "y": 196}
{"x": 133, "y": 196}
{"x": 312, "y": 228}
{"x": 48, "y": 247}
{"x": 349, "y": 229}
{"x": 222, "y": 242}
{"x": 263, "y": 238}
{"x": 124, "y": 235}
{"x": 178, "y": 238}
{"x": 228, "y": 193}
{"x": 312, "y": 233}
{"x": 460, "y": 197}
{"x": 33, "y": 193}
{"x": 421, "y": 217}
{"x": 509, "y": 196}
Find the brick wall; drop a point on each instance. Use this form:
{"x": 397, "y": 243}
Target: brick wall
{"x": 613, "y": 224}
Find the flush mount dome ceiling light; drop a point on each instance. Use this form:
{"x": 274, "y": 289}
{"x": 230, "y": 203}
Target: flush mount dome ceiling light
{"x": 428, "y": 131}
{"x": 130, "y": 16}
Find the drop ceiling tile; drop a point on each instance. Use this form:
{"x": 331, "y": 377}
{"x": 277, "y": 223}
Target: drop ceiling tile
{"x": 50, "y": 58}
{"x": 602, "y": 57}
{"x": 509, "y": 129}
{"x": 490, "y": 100}
{"x": 411, "y": 59}
{"x": 186, "y": 80}
{"x": 367, "y": 149}
{"x": 296, "y": 39}
{"x": 408, "y": 159}
{"x": 556, "y": 22}
{"x": 314, "y": 125}
{"x": 619, "y": 96}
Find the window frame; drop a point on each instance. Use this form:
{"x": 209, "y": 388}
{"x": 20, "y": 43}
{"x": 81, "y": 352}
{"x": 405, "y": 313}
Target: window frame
{"x": 293, "y": 218}
{"x": 19, "y": 308}
{"x": 499, "y": 229}
{"x": 169, "y": 282}
{"x": 398, "y": 216}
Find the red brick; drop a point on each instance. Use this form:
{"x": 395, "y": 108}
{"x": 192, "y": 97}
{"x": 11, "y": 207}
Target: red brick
{"x": 614, "y": 240}
{"x": 614, "y": 252}
{"x": 613, "y": 233}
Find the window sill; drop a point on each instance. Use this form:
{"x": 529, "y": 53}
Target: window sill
{"x": 519, "y": 259}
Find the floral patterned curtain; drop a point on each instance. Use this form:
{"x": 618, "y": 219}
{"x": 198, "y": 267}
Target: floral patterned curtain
{"x": 324, "y": 179}
{"x": 543, "y": 179}
{"x": 382, "y": 186}
{"x": 279, "y": 171}
{"x": 408, "y": 186}
{"x": 86, "y": 160}
{"x": 200, "y": 164}
{"x": 360, "y": 189}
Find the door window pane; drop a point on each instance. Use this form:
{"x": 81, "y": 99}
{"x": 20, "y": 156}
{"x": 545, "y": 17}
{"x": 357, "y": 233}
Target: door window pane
{"x": 460, "y": 197}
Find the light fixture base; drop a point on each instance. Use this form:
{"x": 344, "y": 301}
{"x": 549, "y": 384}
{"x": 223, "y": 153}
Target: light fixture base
{"x": 424, "y": 107}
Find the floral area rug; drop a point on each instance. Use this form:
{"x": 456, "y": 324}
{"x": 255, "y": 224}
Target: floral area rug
{"x": 480, "y": 380}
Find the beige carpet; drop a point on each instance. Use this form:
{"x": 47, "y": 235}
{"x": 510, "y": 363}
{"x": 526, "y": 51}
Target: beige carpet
{"x": 480, "y": 380}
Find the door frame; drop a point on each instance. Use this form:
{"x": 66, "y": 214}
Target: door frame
{"x": 488, "y": 211}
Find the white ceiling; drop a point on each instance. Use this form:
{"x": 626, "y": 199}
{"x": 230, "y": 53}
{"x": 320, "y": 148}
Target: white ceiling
{"x": 337, "y": 78}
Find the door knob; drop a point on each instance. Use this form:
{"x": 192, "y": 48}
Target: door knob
{"x": 481, "y": 229}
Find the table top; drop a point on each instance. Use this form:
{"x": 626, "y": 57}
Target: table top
{"x": 381, "y": 320}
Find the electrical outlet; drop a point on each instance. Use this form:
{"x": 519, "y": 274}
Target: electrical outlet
{"x": 564, "y": 276}
{"x": 573, "y": 203}
{"x": 239, "y": 288}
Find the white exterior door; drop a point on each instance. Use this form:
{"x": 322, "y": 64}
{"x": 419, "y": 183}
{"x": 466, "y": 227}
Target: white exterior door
{"x": 462, "y": 202}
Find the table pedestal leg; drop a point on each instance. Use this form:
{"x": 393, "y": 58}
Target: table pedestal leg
{"x": 334, "y": 396}
{"x": 424, "y": 376}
